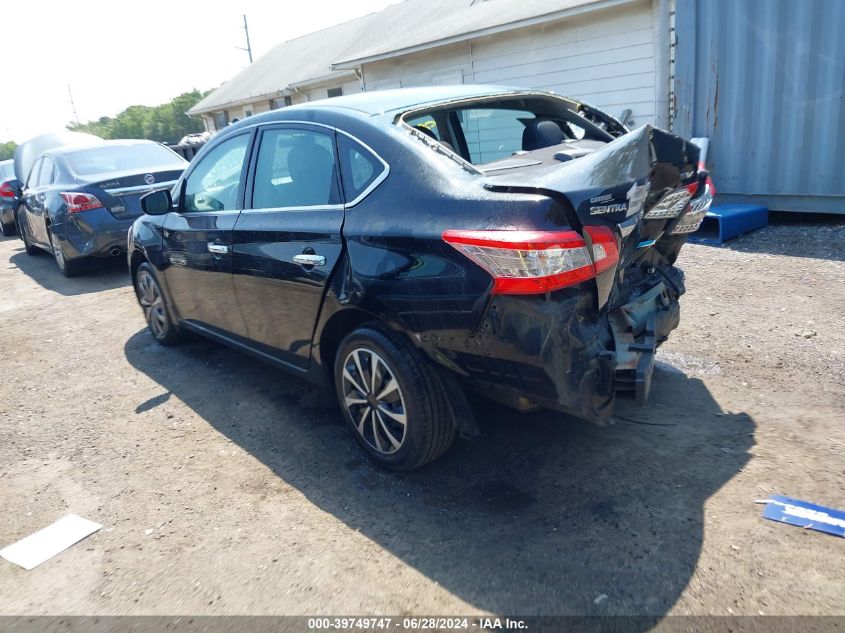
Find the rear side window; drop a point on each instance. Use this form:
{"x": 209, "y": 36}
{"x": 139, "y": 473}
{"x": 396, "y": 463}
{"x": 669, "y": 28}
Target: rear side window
{"x": 295, "y": 168}
{"x": 359, "y": 168}
{"x": 213, "y": 184}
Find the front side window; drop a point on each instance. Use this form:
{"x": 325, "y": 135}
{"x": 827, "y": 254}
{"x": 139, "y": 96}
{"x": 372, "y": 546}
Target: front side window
{"x": 359, "y": 168}
{"x": 213, "y": 184}
{"x": 295, "y": 168}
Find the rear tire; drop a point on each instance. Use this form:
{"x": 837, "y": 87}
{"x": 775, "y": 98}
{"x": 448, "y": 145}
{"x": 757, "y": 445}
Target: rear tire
{"x": 69, "y": 267}
{"x": 27, "y": 245}
{"x": 392, "y": 399}
{"x": 8, "y": 229}
{"x": 151, "y": 298}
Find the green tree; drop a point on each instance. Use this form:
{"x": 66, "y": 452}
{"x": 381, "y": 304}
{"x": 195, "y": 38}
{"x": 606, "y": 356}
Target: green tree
{"x": 166, "y": 123}
{"x": 7, "y": 150}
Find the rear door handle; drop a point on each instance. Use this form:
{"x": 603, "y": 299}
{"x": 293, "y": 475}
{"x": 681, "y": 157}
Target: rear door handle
{"x": 218, "y": 249}
{"x": 307, "y": 259}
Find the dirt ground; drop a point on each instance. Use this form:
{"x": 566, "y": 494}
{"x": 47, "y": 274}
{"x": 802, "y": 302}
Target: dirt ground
{"x": 226, "y": 486}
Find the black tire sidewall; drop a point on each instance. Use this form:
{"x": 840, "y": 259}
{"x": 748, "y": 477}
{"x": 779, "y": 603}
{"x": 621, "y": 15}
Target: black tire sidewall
{"x": 171, "y": 334}
{"x": 417, "y": 409}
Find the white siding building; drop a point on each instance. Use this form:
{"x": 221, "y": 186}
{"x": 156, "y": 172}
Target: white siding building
{"x": 602, "y": 52}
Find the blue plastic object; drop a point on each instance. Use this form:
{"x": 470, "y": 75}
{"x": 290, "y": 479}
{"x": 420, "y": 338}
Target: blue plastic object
{"x": 727, "y": 221}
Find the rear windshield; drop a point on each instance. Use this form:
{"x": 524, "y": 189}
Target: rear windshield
{"x": 7, "y": 170}
{"x": 97, "y": 160}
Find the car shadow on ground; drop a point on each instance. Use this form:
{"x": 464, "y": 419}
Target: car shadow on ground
{"x": 543, "y": 515}
{"x": 99, "y": 274}
{"x": 814, "y": 235}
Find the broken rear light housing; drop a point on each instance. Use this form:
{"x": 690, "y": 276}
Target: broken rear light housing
{"x": 694, "y": 214}
{"x": 670, "y": 206}
{"x": 536, "y": 262}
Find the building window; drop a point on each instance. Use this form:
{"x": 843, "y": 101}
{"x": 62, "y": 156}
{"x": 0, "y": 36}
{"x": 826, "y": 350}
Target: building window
{"x": 281, "y": 102}
{"x": 221, "y": 120}
{"x": 247, "y": 112}
{"x": 335, "y": 92}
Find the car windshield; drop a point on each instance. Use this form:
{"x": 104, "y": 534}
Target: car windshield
{"x": 137, "y": 156}
{"x": 7, "y": 170}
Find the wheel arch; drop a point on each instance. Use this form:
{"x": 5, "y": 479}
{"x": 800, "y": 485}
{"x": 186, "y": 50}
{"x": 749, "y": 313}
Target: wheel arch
{"x": 333, "y": 332}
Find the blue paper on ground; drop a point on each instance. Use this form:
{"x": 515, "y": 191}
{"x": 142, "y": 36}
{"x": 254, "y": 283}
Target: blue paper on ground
{"x": 803, "y": 514}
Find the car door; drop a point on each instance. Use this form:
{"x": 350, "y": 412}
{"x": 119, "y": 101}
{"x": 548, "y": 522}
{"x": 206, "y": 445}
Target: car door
{"x": 31, "y": 212}
{"x": 288, "y": 238}
{"x": 46, "y": 199}
{"x": 198, "y": 237}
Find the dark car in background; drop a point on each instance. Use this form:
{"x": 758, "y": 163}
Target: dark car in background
{"x": 79, "y": 200}
{"x": 9, "y": 197}
{"x": 404, "y": 246}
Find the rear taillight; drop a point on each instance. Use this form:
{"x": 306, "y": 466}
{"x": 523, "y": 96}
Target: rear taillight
{"x": 7, "y": 191}
{"x": 671, "y": 205}
{"x": 694, "y": 214}
{"x": 605, "y": 248}
{"x": 534, "y": 262}
{"x": 78, "y": 202}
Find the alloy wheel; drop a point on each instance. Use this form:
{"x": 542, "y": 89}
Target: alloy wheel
{"x": 152, "y": 303}
{"x": 374, "y": 400}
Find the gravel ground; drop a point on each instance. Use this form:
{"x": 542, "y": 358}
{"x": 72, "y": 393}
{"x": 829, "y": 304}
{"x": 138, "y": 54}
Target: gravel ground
{"x": 226, "y": 486}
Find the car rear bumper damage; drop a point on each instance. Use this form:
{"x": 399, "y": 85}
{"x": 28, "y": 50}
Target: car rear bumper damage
{"x": 94, "y": 233}
{"x": 559, "y": 354}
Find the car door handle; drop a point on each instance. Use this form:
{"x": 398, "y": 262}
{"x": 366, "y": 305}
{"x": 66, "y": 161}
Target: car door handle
{"x": 308, "y": 259}
{"x": 218, "y": 249}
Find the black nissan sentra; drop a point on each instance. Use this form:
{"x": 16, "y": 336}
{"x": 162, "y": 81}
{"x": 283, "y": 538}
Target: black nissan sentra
{"x": 79, "y": 201}
{"x": 407, "y": 245}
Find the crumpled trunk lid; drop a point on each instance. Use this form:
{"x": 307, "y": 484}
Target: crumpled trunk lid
{"x": 645, "y": 185}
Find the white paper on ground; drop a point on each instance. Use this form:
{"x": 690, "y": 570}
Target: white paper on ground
{"x": 36, "y": 548}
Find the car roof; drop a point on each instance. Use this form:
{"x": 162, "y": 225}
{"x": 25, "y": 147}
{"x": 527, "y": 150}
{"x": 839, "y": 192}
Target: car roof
{"x": 402, "y": 99}
{"x": 386, "y": 102}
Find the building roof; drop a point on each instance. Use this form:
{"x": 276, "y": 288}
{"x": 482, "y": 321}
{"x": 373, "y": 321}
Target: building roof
{"x": 420, "y": 24}
{"x": 286, "y": 65}
{"x": 398, "y": 29}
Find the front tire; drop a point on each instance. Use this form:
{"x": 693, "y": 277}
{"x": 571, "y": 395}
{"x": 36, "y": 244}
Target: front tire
{"x": 392, "y": 399}
{"x": 69, "y": 267}
{"x": 152, "y": 301}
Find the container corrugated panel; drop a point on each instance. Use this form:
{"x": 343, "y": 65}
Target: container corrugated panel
{"x": 765, "y": 81}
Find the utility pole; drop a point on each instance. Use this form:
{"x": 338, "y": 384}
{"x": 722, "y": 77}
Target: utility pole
{"x": 73, "y": 105}
{"x": 248, "y": 48}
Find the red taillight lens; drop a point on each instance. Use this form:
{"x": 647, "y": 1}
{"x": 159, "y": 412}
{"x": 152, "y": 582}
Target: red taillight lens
{"x": 534, "y": 262}
{"x": 7, "y": 191}
{"x": 77, "y": 202}
{"x": 605, "y": 248}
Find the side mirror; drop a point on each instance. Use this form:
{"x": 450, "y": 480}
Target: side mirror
{"x": 156, "y": 202}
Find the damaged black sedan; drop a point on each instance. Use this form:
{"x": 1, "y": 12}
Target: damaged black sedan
{"x": 405, "y": 246}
